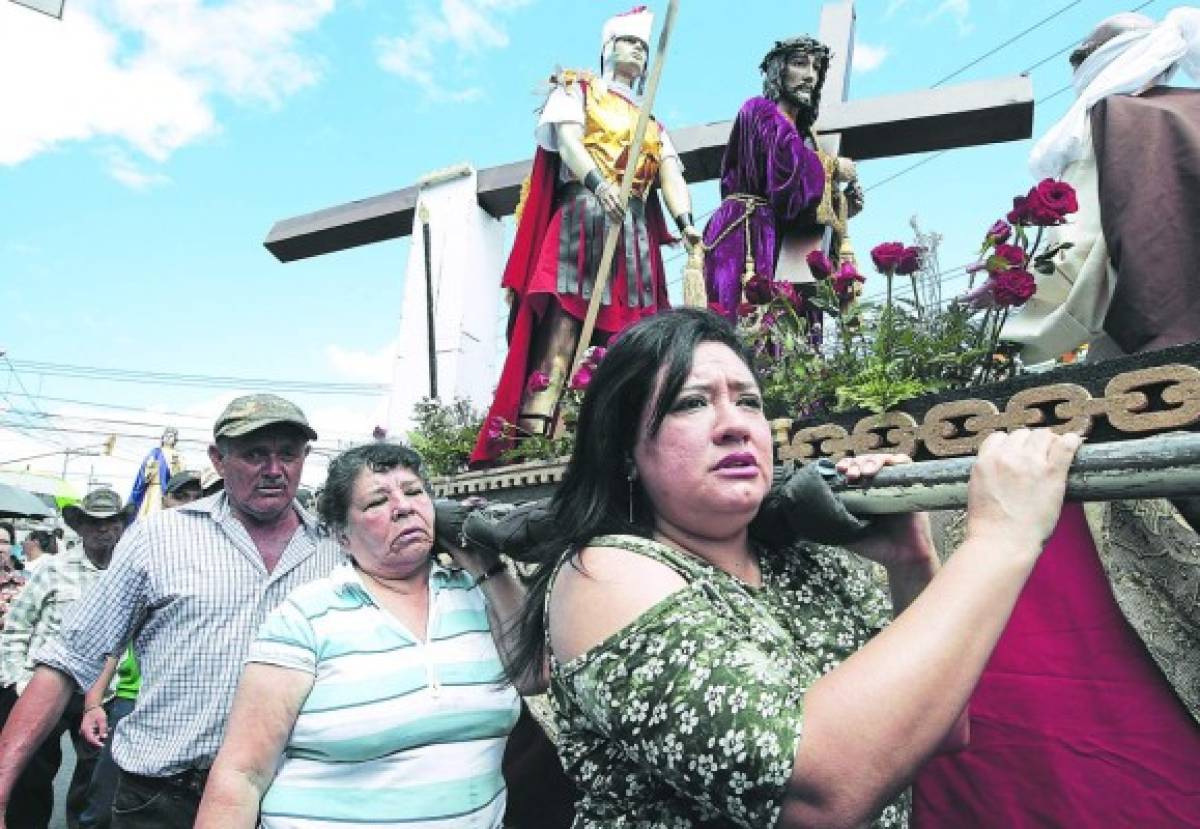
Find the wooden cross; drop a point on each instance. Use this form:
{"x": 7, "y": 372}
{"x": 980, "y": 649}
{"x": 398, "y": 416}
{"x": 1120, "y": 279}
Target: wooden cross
{"x": 964, "y": 115}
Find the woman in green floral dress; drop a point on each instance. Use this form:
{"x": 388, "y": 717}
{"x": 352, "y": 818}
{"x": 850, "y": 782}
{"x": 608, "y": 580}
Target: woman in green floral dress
{"x": 702, "y": 680}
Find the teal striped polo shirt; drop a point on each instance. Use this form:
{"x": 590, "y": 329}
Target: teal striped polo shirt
{"x": 396, "y": 731}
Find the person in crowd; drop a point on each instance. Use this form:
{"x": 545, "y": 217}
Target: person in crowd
{"x": 211, "y": 482}
{"x": 106, "y": 704}
{"x": 1125, "y": 282}
{"x": 1088, "y": 712}
{"x": 583, "y": 136}
{"x": 183, "y": 488}
{"x": 188, "y": 587}
{"x": 34, "y": 619}
{"x": 702, "y": 679}
{"x": 382, "y": 686}
{"x": 12, "y": 577}
{"x": 38, "y": 546}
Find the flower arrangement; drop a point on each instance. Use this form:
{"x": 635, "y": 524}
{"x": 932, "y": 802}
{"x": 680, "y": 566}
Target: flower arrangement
{"x": 1008, "y": 253}
{"x": 827, "y": 348}
{"x": 883, "y": 353}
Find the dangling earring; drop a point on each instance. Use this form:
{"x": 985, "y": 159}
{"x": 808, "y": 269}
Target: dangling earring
{"x": 631, "y": 476}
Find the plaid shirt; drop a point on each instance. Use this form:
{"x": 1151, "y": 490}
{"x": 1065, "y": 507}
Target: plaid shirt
{"x": 36, "y": 614}
{"x": 189, "y": 587}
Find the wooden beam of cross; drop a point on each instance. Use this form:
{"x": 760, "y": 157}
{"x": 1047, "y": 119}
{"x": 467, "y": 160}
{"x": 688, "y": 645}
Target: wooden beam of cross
{"x": 964, "y": 115}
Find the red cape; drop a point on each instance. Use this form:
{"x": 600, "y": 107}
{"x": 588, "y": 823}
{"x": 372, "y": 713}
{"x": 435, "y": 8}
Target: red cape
{"x": 527, "y": 306}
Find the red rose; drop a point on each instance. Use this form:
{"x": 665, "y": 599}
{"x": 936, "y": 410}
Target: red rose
{"x": 757, "y": 291}
{"x": 887, "y": 256}
{"x": 1057, "y": 196}
{"x": 910, "y": 261}
{"x": 1038, "y": 212}
{"x": 1013, "y": 287}
{"x": 1019, "y": 215}
{"x": 819, "y": 264}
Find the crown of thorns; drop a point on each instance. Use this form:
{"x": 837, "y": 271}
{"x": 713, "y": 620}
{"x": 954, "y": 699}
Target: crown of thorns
{"x": 804, "y": 43}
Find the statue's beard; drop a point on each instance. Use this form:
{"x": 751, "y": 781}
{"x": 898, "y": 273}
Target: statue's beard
{"x": 806, "y": 113}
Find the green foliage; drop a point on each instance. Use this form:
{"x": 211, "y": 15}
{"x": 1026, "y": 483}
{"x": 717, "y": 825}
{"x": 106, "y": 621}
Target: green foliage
{"x": 870, "y": 356}
{"x": 445, "y": 434}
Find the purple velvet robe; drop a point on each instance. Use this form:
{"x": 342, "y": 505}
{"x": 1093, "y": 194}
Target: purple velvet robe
{"x": 765, "y": 157}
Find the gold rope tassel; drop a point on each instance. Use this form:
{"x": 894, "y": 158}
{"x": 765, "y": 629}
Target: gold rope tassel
{"x": 695, "y": 294}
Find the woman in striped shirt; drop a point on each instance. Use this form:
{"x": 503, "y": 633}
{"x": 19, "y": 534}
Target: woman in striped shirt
{"x": 375, "y": 696}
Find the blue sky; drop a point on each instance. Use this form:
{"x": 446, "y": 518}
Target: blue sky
{"x": 147, "y": 146}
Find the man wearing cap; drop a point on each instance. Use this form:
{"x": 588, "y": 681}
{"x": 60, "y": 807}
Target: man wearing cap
{"x": 182, "y": 488}
{"x": 34, "y": 618}
{"x": 189, "y": 588}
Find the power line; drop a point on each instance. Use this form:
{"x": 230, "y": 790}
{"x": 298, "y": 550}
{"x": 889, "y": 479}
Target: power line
{"x": 137, "y": 435}
{"x": 1005, "y": 44}
{"x": 195, "y": 380}
{"x": 1025, "y": 71}
{"x": 153, "y": 424}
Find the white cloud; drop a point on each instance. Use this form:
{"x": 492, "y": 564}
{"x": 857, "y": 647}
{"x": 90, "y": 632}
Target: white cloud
{"x": 441, "y": 41}
{"x": 868, "y": 57}
{"x": 894, "y": 6}
{"x": 362, "y": 366}
{"x": 145, "y": 73}
{"x": 127, "y": 171}
{"x": 958, "y": 10}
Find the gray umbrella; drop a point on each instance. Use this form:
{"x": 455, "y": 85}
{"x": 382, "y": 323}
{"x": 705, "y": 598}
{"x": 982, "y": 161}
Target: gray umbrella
{"x": 17, "y": 503}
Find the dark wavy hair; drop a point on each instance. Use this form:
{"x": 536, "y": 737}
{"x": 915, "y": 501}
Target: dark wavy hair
{"x": 775, "y": 61}
{"x": 334, "y": 503}
{"x": 593, "y": 498}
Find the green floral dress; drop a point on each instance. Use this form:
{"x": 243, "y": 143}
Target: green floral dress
{"x": 691, "y": 715}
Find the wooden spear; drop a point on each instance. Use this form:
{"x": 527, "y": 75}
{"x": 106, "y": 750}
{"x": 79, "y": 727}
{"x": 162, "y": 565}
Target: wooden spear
{"x": 1164, "y": 466}
{"x": 635, "y": 151}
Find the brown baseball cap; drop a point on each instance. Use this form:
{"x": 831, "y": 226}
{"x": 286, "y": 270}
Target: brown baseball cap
{"x": 255, "y": 411}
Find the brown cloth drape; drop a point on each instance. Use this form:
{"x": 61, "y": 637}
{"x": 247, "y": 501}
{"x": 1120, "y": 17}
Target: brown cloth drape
{"x": 1148, "y": 160}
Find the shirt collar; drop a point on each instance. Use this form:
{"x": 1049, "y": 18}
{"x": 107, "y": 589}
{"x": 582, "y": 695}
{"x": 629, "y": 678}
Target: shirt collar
{"x": 217, "y": 506}
{"x": 346, "y": 578}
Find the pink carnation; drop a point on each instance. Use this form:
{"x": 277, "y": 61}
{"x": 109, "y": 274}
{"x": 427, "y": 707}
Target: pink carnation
{"x": 998, "y": 232}
{"x": 594, "y": 355}
{"x": 495, "y": 429}
{"x": 844, "y": 279}
{"x": 582, "y": 378}
{"x": 538, "y": 381}
{"x": 1012, "y": 254}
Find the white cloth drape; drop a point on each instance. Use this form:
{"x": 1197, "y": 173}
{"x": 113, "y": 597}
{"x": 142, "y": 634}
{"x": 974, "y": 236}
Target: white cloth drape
{"x": 1126, "y": 64}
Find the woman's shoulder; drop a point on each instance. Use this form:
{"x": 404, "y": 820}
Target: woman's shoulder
{"x": 319, "y": 595}
{"x": 606, "y": 587}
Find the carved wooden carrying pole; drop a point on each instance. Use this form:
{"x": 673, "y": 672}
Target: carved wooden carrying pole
{"x": 1165, "y": 466}
{"x": 1142, "y": 414}
{"x": 635, "y": 150}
